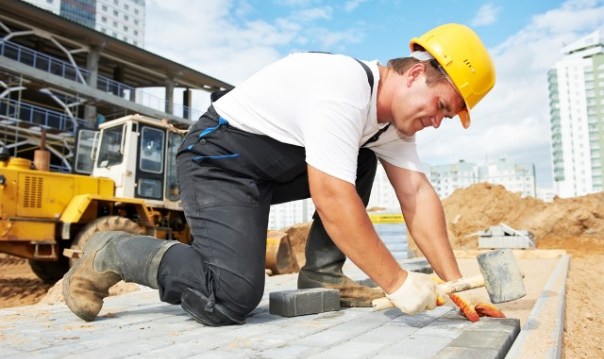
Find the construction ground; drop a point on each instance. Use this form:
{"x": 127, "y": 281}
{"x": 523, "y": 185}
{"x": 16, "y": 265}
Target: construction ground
{"x": 559, "y": 317}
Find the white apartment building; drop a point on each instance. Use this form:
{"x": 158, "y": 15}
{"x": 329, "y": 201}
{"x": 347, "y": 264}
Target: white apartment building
{"x": 121, "y": 19}
{"x": 382, "y": 193}
{"x": 287, "y": 214}
{"x": 576, "y": 96}
{"x": 447, "y": 178}
{"x": 514, "y": 177}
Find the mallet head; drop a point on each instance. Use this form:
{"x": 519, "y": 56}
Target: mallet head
{"x": 502, "y": 276}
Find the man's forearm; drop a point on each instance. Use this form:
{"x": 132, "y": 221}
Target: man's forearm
{"x": 428, "y": 229}
{"x": 347, "y": 223}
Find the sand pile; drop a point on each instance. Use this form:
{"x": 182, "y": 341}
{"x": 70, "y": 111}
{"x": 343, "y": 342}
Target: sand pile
{"x": 477, "y": 207}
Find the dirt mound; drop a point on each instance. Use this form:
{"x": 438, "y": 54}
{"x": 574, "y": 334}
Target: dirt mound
{"x": 18, "y": 284}
{"x": 564, "y": 223}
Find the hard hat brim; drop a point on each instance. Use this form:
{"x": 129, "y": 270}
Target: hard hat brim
{"x": 464, "y": 117}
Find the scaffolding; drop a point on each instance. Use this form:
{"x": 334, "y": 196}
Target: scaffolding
{"x": 58, "y": 77}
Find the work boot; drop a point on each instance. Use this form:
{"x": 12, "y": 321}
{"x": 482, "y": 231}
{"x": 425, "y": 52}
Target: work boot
{"x": 108, "y": 258}
{"x": 323, "y": 269}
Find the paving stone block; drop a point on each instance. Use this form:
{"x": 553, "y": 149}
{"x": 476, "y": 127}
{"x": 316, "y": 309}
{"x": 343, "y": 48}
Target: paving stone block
{"x": 324, "y": 339}
{"x": 386, "y": 334}
{"x": 293, "y": 303}
{"x": 481, "y": 339}
{"x": 464, "y": 353}
{"x": 289, "y": 351}
{"x": 492, "y": 338}
{"x": 350, "y": 349}
{"x": 416, "y": 347}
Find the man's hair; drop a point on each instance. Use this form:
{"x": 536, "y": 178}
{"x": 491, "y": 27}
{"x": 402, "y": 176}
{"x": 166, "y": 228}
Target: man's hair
{"x": 433, "y": 74}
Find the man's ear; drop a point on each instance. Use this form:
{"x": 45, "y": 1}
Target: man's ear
{"x": 415, "y": 72}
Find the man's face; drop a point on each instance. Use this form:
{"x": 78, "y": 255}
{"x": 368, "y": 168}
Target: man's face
{"x": 416, "y": 105}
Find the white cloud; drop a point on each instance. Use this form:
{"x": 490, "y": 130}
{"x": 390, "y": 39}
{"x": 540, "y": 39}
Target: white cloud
{"x": 487, "y": 15}
{"x": 207, "y": 37}
{"x": 513, "y": 120}
{"x": 352, "y": 4}
{"x": 222, "y": 38}
{"x": 312, "y": 14}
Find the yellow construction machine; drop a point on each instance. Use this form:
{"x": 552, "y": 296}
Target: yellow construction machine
{"x": 47, "y": 217}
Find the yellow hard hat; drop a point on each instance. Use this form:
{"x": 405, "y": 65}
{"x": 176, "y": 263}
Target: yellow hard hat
{"x": 464, "y": 58}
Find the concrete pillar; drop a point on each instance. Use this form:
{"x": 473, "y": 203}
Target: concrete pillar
{"x": 92, "y": 65}
{"x": 186, "y": 101}
{"x": 170, "y": 96}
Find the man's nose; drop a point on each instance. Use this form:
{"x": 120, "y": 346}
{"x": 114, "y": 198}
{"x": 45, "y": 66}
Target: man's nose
{"x": 437, "y": 120}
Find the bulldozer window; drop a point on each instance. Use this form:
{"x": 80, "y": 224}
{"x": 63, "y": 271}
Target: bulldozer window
{"x": 110, "y": 152}
{"x": 152, "y": 147}
{"x": 149, "y": 188}
{"x": 172, "y": 188}
{"x": 84, "y": 151}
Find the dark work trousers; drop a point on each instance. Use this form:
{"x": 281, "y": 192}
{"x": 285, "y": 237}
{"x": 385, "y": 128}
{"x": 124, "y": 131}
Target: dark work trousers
{"x": 228, "y": 180}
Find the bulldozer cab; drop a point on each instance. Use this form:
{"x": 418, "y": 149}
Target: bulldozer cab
{"x": 139, "y": 154}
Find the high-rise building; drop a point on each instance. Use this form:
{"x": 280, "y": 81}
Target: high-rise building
{"x": 122, "y": 19}
{"x": 576, "y": 96}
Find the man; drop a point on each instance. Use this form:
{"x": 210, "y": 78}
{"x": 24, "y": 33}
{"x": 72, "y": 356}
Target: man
{"x": 309, "y": 125}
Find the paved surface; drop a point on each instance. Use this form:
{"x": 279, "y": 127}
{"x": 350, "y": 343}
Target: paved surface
{"x": 137, "y": 325}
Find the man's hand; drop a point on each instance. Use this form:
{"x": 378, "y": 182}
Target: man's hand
{"x": 474, "y": 312}
{"x": 418, "y": 293}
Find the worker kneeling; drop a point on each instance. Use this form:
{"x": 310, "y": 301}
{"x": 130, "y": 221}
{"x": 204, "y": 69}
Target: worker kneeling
{"x": 311, "y": 125}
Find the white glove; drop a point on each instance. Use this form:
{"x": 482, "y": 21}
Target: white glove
{"x": 418, "y": 293}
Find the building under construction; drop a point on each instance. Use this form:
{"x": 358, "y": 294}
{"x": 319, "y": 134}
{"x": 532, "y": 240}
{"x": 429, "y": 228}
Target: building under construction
{"x": 60, "y": 79}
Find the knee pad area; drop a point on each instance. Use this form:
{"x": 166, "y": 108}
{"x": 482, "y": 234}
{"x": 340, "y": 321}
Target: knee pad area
{"x": 239, "y": 295}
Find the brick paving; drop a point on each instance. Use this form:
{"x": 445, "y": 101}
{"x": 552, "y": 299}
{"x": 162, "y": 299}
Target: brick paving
{"x": 139, "y": 325}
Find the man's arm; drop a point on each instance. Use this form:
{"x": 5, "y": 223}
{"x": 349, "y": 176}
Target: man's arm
{"x": 425, "y": 219}
{"x": 347, "y": 223}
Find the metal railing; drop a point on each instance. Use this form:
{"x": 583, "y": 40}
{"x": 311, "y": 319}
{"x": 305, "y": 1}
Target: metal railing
{"x": 66, "y": 70}
{"x": 38, "y": 60}
{"x": 41, "y": 116}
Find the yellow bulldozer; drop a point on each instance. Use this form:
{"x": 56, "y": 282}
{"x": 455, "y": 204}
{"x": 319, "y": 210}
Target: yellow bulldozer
{"x": 47, "y": 217}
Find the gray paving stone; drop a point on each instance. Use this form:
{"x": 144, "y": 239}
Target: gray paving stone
{"x": 491, "y": 338}
{"x": 324, "y": 339}
{"x": 418, "y": 320}
{"x": 466, "y": 353}
{"x": 138, "y": 325}
{"x": 350, "y": 349}
{"x": 480, "y": 339}
{"x": 290, "y": 351}
{"x": 293, "y": 303}
{"x": 416, "y": 346}
{"x": 510, "y": 325}
{"x": 386, "y": 334}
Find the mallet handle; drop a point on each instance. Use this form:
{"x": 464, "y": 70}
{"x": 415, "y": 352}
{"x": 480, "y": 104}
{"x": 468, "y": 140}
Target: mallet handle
{"x": 458, "y": 285}
{"x": 461, "y": 284}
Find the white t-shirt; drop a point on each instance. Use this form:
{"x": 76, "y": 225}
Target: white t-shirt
{"x": 321, "y": 102}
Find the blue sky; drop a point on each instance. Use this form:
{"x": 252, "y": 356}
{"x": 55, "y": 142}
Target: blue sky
{"x": 231, "y": 39}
